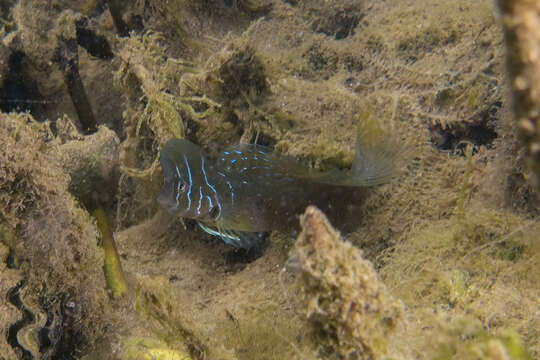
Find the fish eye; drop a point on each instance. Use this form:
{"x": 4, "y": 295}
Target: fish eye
{"x": 181, "y": 186}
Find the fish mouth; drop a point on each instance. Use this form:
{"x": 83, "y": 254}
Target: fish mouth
{"x": 168, "y": 198}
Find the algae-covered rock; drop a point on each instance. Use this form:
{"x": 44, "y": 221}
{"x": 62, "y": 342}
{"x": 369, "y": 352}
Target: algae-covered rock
{"x": 92, "y": 163}
{"x": 464, "y": 338}
{"x": 351, "y": 312}
{"x": 55, "y": 246}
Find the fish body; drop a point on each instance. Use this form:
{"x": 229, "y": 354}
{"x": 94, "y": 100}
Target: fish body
{"x": 250, "y": 188}
{"x": 247, "y": 188}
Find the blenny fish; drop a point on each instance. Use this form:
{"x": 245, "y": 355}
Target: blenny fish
{"x": 250, "y": 188}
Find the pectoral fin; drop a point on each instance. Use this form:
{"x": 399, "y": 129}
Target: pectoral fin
{"x": 237, "y": 239}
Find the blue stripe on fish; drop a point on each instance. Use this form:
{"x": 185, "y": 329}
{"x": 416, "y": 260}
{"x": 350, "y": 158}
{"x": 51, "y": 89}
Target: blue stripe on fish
{"x": 211, "y": 187}
{"x": 200, "y": 201}
{"x": 232, "y": 192}
{"x": 190, "y": 184}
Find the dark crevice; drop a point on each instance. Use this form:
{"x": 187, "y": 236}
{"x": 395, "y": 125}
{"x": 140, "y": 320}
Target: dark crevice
{"x": 45, "y": 334}
{"x": 11, "y": 261}
{"x": 20, "y": 92}
{"x": 237, "y": 259}
{"x": 339, "y": 25}
{"x": 457, "y": 139}
{"x": 116, "y": 9}
{"x": 96, "y": 45}
{"x": 478, "y": 133}
{"x": 265, "y": 140}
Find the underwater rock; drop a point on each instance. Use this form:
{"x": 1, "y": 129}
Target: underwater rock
{"x": 92, "y": 163}
{"x": 55, "y": 244}
{"x": 349, "y": 308}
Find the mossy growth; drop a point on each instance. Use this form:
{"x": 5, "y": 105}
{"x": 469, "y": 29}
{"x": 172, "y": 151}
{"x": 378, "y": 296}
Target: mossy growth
{"x": 464, "y": 338}
{"x": 155, "y": 304}
{"x": 264, "y": 332}
{"x": 330, "y": 155}
{"x": 7, "y": 235}
{"x": 351, "y": 313}
{"x": 470, "y": 264}
{"x": 55, "y": 242}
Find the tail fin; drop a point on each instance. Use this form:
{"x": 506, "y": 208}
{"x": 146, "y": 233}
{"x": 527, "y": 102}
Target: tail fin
{"x": 379, "y": 154}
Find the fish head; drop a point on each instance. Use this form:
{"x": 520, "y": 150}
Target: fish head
{"x": 188, "y": 188}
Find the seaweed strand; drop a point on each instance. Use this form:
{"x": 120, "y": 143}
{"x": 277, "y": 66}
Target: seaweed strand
{"x": 112, "y": 266}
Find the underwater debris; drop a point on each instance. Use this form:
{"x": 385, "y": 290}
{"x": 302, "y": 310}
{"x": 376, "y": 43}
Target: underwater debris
{"x": 351, "y": 312}
{"x": 67, "y": 57}
{"x": 115, "y": 8}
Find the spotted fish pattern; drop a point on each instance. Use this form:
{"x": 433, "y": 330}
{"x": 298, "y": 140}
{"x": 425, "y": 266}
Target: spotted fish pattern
{"x": 249, "y": 189}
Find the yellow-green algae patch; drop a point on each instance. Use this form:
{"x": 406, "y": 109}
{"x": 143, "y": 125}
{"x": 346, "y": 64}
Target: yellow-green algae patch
{"x": 480, "y": 265}
{"x": 150, "y": 349}
{"x": 154, "y": 303}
